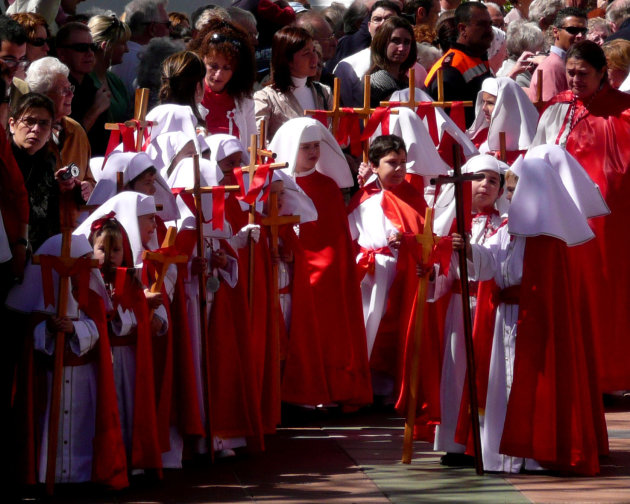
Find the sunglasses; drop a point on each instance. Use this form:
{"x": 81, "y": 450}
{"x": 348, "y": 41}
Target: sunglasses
{"x": 574, "y": 30}
{"x": 81, "y": 47}
{"x": 218, "y": 38}
{"x": 39, "y": 41}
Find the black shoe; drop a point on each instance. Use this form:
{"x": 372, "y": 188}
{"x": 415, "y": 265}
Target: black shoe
{"x": 457, "y": 460}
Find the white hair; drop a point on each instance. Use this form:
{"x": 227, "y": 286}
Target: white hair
{"x": 139, "y": 13}
{"x": 427, "y": 54}
{"x": 618, "y": 11}
{"x": 41, "y": 74}
{"x": 541, "y": 9}
{"x": 208, "y": 14}
{"x": 523, "y": 37}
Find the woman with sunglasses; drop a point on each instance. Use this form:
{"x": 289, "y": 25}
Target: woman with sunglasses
{"x": 37, "y": 44}
{"x": 592, "y": 121}
{"x": 30, "y": 126}
{"x": 111, "y": 36}
{"x": 292, "y": 90}
{"x": 228, "y": 55}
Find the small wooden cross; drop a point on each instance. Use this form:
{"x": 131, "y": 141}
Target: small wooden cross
{"x": 254, "y": 154}
{"x": 140, "y": 113}
{"x": 273, "y": 221}
{"x": 163, "y": 260}
{"x": 411, "y": 103}
{"x": 67, "y": 263}
{"x": 427, "y": 240}
{"x": 335, "y": 113}
{"x": 502, "y": 147}
{"x": 539, "y": 103}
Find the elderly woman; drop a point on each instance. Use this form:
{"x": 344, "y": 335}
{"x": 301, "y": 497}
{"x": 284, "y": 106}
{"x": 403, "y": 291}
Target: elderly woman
{"x": 111, "y": 36}
{"x": 598, "y": 30}
{"x": 292, "y": 90}
{"x": 524, "y": 40}
{"x": 69, "y": 142}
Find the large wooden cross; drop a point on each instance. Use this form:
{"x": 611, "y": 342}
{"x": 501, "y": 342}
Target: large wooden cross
{"x": 255, "y": 153}
{"x": 427, "y": 240}
{"x": 502, "y": 147}
{"x": 67, "y": 263}
{"x": 273, "y": 221}
{"x": 539, "y": 103}
{"x": 363, "y": 113}
{"x": 139, "y": 124}
{"x": 459, "y": 180}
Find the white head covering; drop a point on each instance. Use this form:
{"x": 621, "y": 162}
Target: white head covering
{"x": 443, "y": 121}
{"x": 584, "y": 192}
{"x": 422, "y": 156}
{"x": 183, "y": 175}
{"x": 295, "y": 200}
{"x": 542, "y": 206}
{"x": 513, "y": 113}
{"x": 132, "y": 164}
{"x": 28, "y": 296}
{"x": 96, "y": 163}
{"x": 127, "y": 206}
{"x": 445, "y": 204}
{"x": 163, "y": 149}
{"x": 332, "y": 162}
{"x": 171, "y": 118}
{"x": 222, "y": 146}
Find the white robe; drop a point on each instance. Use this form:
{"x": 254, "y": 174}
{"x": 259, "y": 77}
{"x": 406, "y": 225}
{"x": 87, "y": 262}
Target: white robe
{"x": 77, "y": 416}
{"x": 501, "y": 258}
{"x": 371, "y": 228}
{"x": 454, "y": 361}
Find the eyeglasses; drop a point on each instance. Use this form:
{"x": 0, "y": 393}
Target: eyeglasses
{"x": 218, "y": 38}
{"x": 66, "y": 91}
{"x": 12, "y": 63}
{"x": 81, "y": 47}
{"x": 31, "y": 122}
{"x": 39, "y": 41}
{"x": 575, "y": 30}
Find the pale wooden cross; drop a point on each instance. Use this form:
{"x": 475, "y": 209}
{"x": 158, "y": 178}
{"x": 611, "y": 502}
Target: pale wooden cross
{"x": 335, "y": 113}
{"x": 255, "y": 153}
{"x": 60, "y": 343}
{"x": 427, "y": 240}
{"x": 459, "y": 180}
{"x": 411, "y": 103}
{"x": 140, "y": 113}
{"x": 273, "y": 221}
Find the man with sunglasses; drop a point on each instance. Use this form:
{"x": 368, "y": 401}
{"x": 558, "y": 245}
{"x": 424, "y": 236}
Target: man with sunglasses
{"x": 12, "y": 47}
{"x": 568, "y": 28}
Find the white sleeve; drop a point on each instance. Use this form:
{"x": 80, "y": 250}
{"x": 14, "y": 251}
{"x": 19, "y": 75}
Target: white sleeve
{"x": 483, "y": 263}
{"x": 82, "y": 341}
{"x": 230, "y": 272}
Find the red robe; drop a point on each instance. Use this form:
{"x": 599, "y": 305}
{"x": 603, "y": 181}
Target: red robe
{"x": 599, "y": 142}
{"x": 328, "y": 251}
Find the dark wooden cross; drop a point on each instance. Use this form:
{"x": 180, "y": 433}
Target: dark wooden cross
{"x": 67, "y": 262}
{"x": 459, "y": 180}
{"x": 539, "y": 103}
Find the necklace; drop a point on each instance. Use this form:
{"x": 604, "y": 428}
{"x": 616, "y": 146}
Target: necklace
{"x": 583, "y": 113}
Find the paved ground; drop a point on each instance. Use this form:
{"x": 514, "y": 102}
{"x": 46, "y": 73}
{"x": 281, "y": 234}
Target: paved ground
{"x": 356, "y": 459}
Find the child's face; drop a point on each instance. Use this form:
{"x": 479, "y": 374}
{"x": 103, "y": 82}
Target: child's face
{"x": 277, "y": 187}
{"x": 510, "y": 185}
{"x": 485, "y": 192}
{"x": 488, "y": 102}
{"x": 147, "y": 227}
{"x": 307, "y": 157}
{"x": 391, "y": 169}
{"x": 108, "y": 250}
{"x": 227, "y": 164}
{"x": 145, "y": 183}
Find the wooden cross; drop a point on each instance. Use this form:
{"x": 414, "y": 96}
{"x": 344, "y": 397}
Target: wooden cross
{"x": 458, "y": 180}
{"x": 254, "y": 154}
{"x": 60, "y": 343}
{"x": 335, "y": 113}
{"x": 274, "y": 220}
{"x": 428, "y": 241}
{"x": 164, "y": 261}
{"x": 411, "y": 103}
{"x": 502, "y": 147}
{"x": 539, "y": 103}
{"x": 140, "y": 113}
{"x": 262, "y": 143}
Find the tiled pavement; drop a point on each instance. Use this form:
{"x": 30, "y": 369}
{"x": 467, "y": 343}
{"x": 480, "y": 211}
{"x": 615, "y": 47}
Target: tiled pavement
{"x": 356, "y": 459}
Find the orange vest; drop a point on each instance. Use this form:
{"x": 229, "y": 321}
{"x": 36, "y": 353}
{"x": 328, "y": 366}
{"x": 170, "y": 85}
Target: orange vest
{"x": 466, "y": 65}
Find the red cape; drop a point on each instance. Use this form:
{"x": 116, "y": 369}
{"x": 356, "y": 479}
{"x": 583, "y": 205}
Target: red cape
{"x": 328, "y": 252}
{"x": 599, "y": 142}
{"x": 555, "y": 413}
